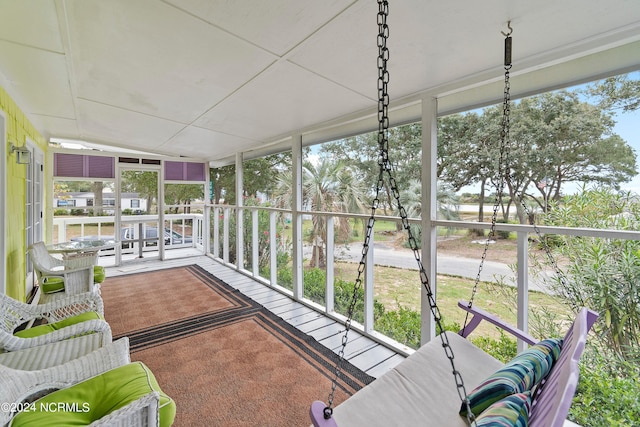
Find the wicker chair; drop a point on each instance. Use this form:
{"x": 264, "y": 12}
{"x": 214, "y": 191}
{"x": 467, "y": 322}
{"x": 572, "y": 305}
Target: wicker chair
{"x": 19, "y": 386}
{"x": 76, "y": 272}
{"x": 15, "y": 313}
{"x": 108, "y": 389}
{"x": 50, "y": 355}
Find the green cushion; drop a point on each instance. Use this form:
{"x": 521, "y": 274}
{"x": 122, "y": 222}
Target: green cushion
{"x": 52, "y": 284}
{"x": 98, "y": 274}
{"x": 521, "y": 374}
{"x": 37, "y": 331}
{"x": 96, "y": 397}
{"x": 511, "y": 411}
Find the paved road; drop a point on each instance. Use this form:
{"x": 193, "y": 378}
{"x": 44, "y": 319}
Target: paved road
{"x": 451, "y": 265}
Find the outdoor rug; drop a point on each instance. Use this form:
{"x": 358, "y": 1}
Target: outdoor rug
{"x": 226, "y": 360}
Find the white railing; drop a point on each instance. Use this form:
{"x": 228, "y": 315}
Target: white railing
{"x": 182, "y": 234}
{"x": 222, "y": 247}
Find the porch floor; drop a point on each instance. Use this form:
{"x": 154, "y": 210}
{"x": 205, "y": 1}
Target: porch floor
{"x": 369, "y": 356}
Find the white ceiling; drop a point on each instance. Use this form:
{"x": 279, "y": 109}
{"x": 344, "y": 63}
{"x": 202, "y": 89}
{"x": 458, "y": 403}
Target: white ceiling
{"x": 209, "y": 78}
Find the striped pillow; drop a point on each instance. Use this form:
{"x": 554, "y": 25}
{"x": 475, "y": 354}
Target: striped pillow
{"x": 512, "y": 411}
{"x": 522, "y": 373}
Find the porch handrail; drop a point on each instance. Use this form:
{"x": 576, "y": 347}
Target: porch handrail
{"x": 197, "y": 230}
{"x": 522, "y": 232}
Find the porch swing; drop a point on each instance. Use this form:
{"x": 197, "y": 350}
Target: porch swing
{"x": 536, "y": 387}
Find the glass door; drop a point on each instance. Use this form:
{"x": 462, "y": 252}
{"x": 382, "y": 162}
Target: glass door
{"x": 139, "y": 214}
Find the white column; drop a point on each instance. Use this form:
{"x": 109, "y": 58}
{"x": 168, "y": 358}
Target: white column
{"x": 239, "y": 204}
{"x": 296, "y": 220}
{"x": 429, "y": 194}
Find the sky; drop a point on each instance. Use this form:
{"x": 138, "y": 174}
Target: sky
{"x": 628, "y": 127}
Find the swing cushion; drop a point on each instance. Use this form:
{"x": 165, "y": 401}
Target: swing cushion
{"x": 521, "y": 374}
{"x": 39, "y": 330}
{"x": 511, "y": 411}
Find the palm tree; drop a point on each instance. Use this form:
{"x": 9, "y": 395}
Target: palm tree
{"x": 327, "y": 186}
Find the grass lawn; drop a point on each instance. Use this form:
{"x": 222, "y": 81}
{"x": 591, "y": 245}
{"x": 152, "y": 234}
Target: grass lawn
{"x": 396, "y": 287}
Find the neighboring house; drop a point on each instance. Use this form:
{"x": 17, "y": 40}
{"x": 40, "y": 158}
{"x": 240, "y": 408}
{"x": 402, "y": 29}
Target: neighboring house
{"x": 79, "y": 200}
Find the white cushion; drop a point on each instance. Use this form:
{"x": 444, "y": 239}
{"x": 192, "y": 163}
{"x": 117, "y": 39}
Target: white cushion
{"x": 421, "y": 390}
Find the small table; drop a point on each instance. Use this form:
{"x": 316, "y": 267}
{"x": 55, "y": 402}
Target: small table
{"x": 68, "y": 249}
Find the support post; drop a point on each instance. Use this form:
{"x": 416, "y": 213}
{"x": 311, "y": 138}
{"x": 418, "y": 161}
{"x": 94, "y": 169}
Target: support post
{"x": 429, "y": 194}
{"x": 239, "y": 213}
{"x": 296, "y": 217}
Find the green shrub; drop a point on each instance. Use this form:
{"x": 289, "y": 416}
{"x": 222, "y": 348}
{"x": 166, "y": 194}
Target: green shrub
{"x": 503, "y": 349}
{"x": 608, "y": 393}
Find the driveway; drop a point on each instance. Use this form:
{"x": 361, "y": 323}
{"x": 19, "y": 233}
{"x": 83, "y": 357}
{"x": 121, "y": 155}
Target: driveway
{"x": 446, "y": 264}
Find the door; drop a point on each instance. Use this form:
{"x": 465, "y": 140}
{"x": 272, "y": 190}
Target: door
{"x": 139, "y": 214}
{"x": 34, "y": 208}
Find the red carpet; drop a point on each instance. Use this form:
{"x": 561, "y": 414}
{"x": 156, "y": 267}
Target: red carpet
{"x": 226, "y": 360}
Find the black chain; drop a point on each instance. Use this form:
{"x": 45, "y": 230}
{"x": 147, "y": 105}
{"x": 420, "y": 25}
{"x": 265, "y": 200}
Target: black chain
{"x": 385, "y": 167}
{"x": 503, "y": 172}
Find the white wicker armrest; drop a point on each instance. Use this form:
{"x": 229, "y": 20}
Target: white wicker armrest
{"x": 78, "y": 280}
{"x": 49, "y": 355}
{"x": 142, "y": 412}
{"x": 79, "y": 261}
{"x": 70, "y": 305}
{"x": 17, "y": 386}
{"x": 10, "y": 342}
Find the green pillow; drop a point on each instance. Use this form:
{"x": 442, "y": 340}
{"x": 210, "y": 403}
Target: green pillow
{"x": 98, "y": 274}
{"x": 90, "y": 400}
{"x": 52, "y": 284}
{"x": 511, "y": 411}
{"x": 521, "y": 374}
{"x": 37, "y": 331}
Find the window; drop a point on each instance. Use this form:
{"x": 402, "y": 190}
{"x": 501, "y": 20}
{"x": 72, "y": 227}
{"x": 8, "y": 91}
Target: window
{"x": 135, "y": 203}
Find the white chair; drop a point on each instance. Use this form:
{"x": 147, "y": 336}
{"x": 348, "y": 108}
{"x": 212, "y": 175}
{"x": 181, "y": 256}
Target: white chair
{"x": 19, "y": 386}
{"x": 14, "y": 313}
{"x": 76, "y": 272}
{"x": 108, "y": 389}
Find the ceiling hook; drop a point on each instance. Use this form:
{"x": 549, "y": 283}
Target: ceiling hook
{"x": 510, "y": 30}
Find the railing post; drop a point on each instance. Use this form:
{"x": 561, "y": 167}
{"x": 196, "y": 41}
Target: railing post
{"x": 62, "y": 231}
{"x": 369, "y": 289}
{"x": 225, "y": 238}
{"x": 523, "y": 285}
{"x": 216, "y": 232}
{"x": 206, "y": 229}
{"x": 255, "y": 243}
{"x": 273, "y": 249}
{"x": 329, "y": 288}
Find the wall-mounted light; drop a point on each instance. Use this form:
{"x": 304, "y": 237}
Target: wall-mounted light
{"x": 23, "y": 155}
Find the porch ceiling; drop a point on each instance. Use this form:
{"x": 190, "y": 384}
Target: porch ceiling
{"x": 208, "y": 78}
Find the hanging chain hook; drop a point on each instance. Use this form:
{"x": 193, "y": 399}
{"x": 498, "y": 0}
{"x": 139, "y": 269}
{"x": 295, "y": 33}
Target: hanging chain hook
{"x": 510, "y": 30}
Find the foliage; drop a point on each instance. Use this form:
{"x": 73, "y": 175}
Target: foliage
{"x": 314, "y": 289}
{"x": 403, "y": 325}
{"x": 182, "y": 194}
{"x": 617, "y": 93}
{"x": 264, "y": 250}
{"x": 603, "y": 274}
{"x": 327, "y": 186}
{"x": 503, "y": 349}
{"x": 259, "y": 177}
{"x": 608, "y": 393}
